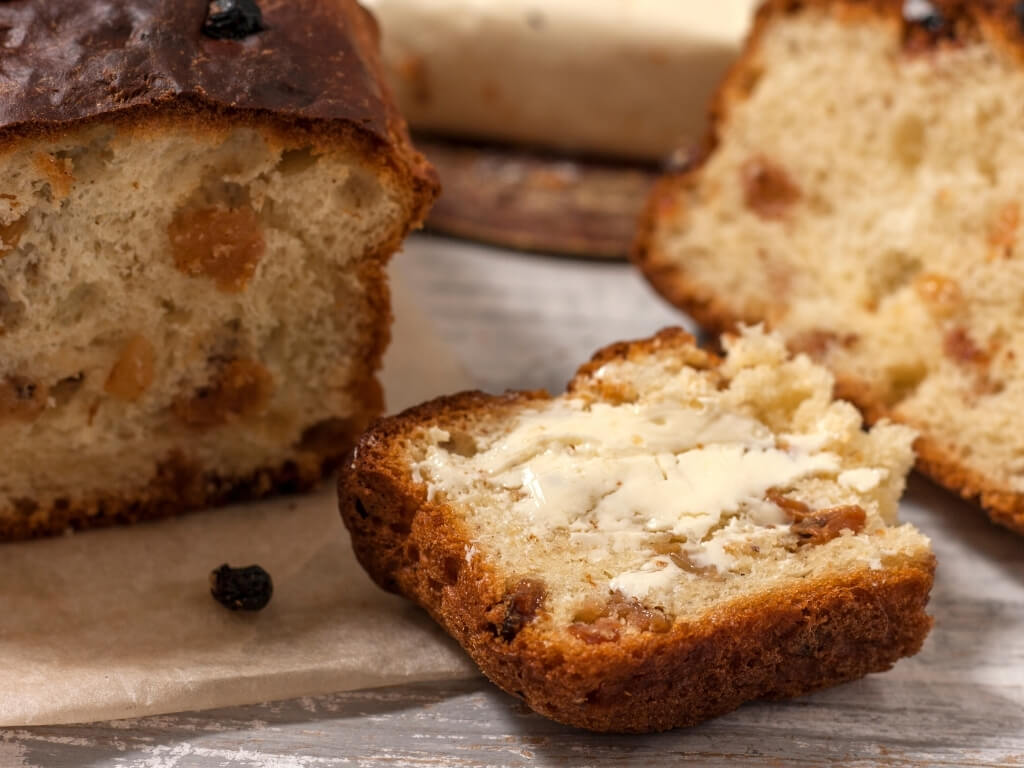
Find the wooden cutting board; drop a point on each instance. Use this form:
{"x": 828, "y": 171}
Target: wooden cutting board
{"x": 532, "y": 201}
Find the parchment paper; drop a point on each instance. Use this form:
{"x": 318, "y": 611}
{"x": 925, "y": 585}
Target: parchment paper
{"x": 120, "y": 622}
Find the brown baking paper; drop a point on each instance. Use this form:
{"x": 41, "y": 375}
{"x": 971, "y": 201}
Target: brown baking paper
{"x": 120, "y": 622}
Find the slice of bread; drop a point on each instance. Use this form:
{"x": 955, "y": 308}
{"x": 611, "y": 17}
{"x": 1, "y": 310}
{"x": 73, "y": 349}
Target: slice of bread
{"x": 674, "y": 536}
{"x": 860, "y": 197}
{"x": 193, "y": 233}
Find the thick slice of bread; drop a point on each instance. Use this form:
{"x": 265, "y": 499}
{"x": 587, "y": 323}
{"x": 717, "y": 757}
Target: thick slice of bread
{"x": 193, "y": 232}
{"x": 860, "y": 196}
{"x": 675, "y": 535}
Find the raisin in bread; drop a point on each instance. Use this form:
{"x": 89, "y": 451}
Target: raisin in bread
{"x": 859, "y": 196}
{"x": 675, "y": 535}
{"x": 193, "y": 231}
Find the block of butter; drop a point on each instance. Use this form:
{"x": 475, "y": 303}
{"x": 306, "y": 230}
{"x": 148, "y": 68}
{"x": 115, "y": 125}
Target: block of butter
{"x": 621, "y": 78}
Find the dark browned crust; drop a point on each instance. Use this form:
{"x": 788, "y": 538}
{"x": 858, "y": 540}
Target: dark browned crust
{"x": 997, "y": 21}
{"x": 66, "y": 62}
{"x": 799, "y": 640}
{"x": 531, "y": 201}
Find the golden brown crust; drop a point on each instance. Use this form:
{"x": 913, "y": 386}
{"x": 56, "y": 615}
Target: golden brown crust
{"x": 176, "y": 489}
{"x": 938, "y": 462}
{"x": 799, "y": 640}
{"x": 675, "y": 341}
{"x": 667, "y": 205}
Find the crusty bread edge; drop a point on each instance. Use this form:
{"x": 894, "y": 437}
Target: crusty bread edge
{"x": 798, "y": 640}
{"x": 713, "y": 312}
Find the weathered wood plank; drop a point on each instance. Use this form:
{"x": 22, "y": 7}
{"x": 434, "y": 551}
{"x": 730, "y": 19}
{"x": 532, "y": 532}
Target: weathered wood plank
{"x": 469, "y": 723}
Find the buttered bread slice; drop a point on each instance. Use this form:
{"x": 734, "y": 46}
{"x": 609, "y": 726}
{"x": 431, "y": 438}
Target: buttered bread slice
{"x": 675, "y": 535}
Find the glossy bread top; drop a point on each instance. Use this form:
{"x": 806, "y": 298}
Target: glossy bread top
{"x": 72, "y": 60}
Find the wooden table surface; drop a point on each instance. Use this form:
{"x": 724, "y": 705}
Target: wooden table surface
{"x": 525, "y": 321}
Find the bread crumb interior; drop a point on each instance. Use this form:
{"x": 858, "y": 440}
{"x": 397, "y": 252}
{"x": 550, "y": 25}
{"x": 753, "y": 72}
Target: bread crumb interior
{"x": 178, "y": 292}
{"x": 896, "y": 254}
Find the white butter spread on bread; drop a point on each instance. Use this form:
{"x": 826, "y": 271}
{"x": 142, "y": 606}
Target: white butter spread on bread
{"x": 681, "y": 469}
{"x": 616, "y": 468}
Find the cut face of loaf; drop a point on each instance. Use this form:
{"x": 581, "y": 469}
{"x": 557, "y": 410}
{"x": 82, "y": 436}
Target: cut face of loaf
{"x": 860, "y": 197}
{"x": 193, "y": 303}
{"x": 672, "y": 537}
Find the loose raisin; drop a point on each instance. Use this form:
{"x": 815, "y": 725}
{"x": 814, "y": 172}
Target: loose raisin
{"x": 233, "y": 19}
{"x": 241, "y": 589}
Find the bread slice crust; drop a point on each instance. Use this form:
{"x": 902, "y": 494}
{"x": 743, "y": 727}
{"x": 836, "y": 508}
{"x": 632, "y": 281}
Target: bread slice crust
{"x": 826, "y": 632}
{"x": 1000, "y": 23}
